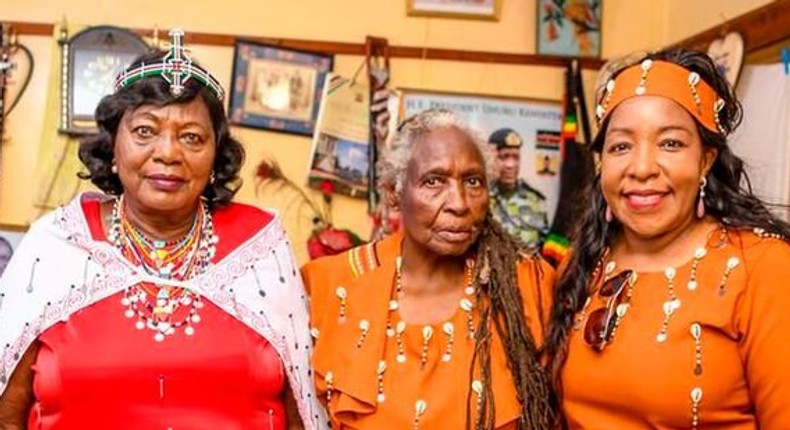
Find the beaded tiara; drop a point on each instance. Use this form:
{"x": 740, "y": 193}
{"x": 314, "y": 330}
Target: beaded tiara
{"x": 665, "y": 79}
{"x": 176, "y": 68}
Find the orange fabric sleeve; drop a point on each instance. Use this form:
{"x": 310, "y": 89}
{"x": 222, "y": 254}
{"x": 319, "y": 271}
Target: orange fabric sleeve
{"x": 318, "y": 277}
{"x": 536, "y": 279}
{"x": 763, "y": 320}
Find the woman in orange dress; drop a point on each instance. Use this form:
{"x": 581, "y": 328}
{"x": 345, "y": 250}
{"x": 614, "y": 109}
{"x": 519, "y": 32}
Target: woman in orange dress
{"x": 437, "y": 327}
{"x": 673, "y": 310}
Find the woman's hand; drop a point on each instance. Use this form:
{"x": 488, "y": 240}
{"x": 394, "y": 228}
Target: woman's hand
{"x": 18, "y": 398}
{"x": 294, "y": 421}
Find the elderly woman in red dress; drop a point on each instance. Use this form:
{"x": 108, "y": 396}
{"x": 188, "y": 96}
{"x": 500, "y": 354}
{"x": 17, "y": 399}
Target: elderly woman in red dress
{"x": 159, "y": 304}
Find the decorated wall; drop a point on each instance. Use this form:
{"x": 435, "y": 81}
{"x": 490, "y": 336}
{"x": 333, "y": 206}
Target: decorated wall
{"x": 627, "y": 26}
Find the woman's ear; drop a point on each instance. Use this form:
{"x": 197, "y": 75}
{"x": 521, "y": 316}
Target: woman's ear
{"x": 708, "y": 158}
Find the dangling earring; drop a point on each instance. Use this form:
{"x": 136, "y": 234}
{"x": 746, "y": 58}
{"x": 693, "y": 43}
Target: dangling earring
{"x": 701, "y": 200}
{"x": 608, "y": 215}
{"x": 212, "y": 178}
{"x": 114, "y": 168}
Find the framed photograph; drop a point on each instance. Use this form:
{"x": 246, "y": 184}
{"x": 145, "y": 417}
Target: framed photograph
{"x": 276, "y": 88}
{"x": 91, "y": 61}
{"x": 341, "y": 142}
{"x": 10, "y": 236}
{"x": 569, "y": 28}
{"x": 537, "y": 123}
{"x": 469, "y": 9}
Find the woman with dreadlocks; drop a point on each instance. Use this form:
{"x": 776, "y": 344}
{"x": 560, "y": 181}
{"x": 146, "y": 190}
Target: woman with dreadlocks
{"x": 673, "y": 310}
{"x": 438, "y": 326}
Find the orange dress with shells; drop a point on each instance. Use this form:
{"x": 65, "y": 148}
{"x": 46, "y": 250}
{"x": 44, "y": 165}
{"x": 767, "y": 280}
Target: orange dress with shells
{"x": 375, "y": 372}
{"x": 706, "y": 349}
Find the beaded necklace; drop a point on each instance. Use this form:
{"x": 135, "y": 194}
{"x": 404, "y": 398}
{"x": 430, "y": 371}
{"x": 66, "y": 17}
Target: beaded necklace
{"x": 716, "y": 239}
{"x": 398, "y": 331}
{"x": 466, "y": 304}
{"x": 159, "y": 307}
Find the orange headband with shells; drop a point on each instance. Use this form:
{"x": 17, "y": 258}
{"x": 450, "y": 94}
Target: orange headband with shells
{"x": 661, "y": 78}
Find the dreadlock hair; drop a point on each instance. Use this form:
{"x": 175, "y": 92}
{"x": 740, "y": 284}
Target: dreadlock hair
{"x": 728, "y": 198}
{"x": 498, "y": 294}
{"x": 501, "y": 306}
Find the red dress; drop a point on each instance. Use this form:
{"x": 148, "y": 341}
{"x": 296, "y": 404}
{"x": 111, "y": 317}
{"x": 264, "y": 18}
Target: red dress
{"x": 97, "y": 370}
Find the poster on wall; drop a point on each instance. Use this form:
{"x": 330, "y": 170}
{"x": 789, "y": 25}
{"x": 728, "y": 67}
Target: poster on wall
{"x": 537, "y": 122}
{"x": 341, "y": 138}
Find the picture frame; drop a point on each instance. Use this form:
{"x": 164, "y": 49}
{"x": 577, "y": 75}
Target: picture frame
{"x": 91, "y": 60}
{"x": 569, "y": 30}
{"x": 466, "y": 9}
{"x": 537, "y": 122}
{"x": 10, "y": 236}
{"x": 277, "y": 89}
{"x": 341, "y": 142}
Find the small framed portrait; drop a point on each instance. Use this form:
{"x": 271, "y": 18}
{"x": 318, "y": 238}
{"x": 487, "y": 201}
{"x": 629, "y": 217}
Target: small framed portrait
{"x": 469, "y": 9}
{"x": 569, "y": 28}
{"x": 276, "y": 88}
{"x": 91, "y": 60}
{"x": 10, "y": 236}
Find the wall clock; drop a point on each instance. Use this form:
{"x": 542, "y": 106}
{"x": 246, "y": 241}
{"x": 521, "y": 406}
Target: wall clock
{"x": 91, "y": 60}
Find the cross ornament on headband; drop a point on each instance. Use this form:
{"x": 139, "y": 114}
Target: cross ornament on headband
{"x": 176, "y": 68}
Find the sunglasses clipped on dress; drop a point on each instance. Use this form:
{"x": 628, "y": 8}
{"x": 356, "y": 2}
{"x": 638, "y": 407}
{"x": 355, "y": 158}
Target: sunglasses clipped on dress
{"x": 602, "y": 322}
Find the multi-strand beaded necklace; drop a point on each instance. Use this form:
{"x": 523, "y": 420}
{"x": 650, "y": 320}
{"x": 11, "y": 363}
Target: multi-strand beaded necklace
{"x": 164, "y": 307}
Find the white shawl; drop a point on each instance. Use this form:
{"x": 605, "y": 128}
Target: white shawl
{"x": 59, "y": 269}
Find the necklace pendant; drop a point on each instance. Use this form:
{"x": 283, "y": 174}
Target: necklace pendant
{"x": 622, "y": 309}
{"x": 163, "y": 309}
{"x": 668, "y": 309}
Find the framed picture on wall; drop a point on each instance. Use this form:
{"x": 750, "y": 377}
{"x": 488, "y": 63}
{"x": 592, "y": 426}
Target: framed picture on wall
{"x": 536, "y": 123}
{"x": 276, "y": 88}
{"x": 91, "y": 60}
{"x": 341, "y": 144}
{"x": 569, "y": 28}
{"x": 10, "y": 236}
{"x": 470, "y": 9}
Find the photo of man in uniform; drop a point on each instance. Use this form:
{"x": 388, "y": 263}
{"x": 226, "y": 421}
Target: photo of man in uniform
{"x": 520, "y": 208}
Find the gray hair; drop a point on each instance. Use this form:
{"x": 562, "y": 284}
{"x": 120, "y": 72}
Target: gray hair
{"x": 391, "y": 167}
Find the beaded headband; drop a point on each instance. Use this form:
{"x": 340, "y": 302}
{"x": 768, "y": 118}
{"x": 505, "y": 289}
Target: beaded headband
{"x": 176, "y": 68}
{"x": 661, "y": 78}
